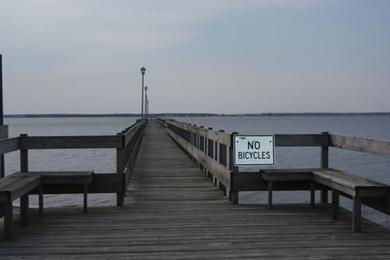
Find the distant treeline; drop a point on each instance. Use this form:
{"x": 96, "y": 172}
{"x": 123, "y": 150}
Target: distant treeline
{"x": 194, "y": 115}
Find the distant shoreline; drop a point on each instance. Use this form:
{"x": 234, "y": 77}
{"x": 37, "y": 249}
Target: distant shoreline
{"x": 194, "y": 115}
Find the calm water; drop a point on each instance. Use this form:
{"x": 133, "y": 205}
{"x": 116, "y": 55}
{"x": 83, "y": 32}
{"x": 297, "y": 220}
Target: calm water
{"x": 372, "y": 166}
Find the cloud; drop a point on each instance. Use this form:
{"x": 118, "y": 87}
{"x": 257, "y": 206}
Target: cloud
{"x": 124, "y": 25}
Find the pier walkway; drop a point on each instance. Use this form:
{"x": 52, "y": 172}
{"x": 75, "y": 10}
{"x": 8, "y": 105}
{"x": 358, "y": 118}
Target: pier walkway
{"x": 172, "y": 211}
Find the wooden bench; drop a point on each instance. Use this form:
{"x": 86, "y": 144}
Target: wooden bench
{"x": 354, "y": 187}
{"x": 286, "y": 175}
{"x": 21, "y": 184}
{"x": 339, "y": 182}
{"x": 13, "y": 187}
{"x": 63, "y": 178}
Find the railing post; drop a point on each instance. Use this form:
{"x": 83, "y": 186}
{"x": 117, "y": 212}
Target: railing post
{"x": 23, "y": 155}
{"x": 120, "y": 164}
{"x": 2, "y": 134}
{"x": 325, "y": 164}
{"x": 234, "y": 195}
{"x": 24, "y": 200}
{"x": 210, "y": 152}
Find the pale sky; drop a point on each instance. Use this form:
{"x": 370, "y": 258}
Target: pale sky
{"x": 217, "y": 56}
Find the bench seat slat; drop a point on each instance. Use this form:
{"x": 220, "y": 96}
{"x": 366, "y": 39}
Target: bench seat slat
{"x": 70, "y": 177}
{"x": 15, "y": 186}
{"x": 286, "y": 174}
{"x": 349, "y": 184}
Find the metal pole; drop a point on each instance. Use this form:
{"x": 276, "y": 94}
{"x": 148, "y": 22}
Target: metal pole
{"x": 2, "y": 170}
{"x": 146, "y": 107}
{"x": 146, "y": 97}
{"x": 142, "y": 98}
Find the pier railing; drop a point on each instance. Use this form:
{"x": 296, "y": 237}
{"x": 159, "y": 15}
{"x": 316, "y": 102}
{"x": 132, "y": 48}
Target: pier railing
{"x": 212, "y": 151}
{"x": 126, "y": 144}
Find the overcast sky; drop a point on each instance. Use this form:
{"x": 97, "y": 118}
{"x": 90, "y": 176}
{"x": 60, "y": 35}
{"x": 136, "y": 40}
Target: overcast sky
{"x": 247, "y": 56}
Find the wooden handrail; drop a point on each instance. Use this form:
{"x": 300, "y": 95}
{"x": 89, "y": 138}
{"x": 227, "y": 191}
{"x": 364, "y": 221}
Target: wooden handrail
{"x": 8, "y": 145}
{"x": 360, "y": 144}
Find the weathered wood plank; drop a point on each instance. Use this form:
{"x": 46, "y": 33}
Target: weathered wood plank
{"x": 301, "y": 140}
{"x": 359, "y": 144}
{"x": 9, "y": 145}
{"x": 71, "y": 142}
{"x": 215, "y": 168}
{"x": 350, "y": 184}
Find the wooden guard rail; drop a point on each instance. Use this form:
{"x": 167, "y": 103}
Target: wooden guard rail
{"x": 212, "y": 151}
{"x": 126, "y": 144}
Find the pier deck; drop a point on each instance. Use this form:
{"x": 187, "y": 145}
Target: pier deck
{"x": 172, "y": 211}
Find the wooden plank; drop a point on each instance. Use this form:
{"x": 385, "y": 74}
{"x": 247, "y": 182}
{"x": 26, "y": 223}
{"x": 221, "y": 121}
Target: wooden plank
{"x": 359, "y": 144}
{"x": 217, "y": 170}
{"x": 301, "y": 140}
{"x": 61, "y": 177}
{"x": 102, "y": 183}
{"x": 132, "y": 132}
{"x": 16, "y": 186}
{"x": 216, "y": 136}
{"x": 287, "y": 174}
{"x": 9, "y": 145}
{"x": 252, "y": 181}
{"x": 350, "y": 184}
{"x": 71, "y": 142}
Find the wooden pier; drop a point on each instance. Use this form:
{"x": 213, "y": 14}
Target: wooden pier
{"x": 173, "y": 211}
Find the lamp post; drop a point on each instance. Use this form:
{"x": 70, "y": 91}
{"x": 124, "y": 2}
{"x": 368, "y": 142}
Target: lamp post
{"x": 142, "y": 98}
{"x": 146, "y": 105}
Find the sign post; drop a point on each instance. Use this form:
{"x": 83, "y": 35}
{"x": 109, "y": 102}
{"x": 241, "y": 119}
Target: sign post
{"x": 253, "y": 150}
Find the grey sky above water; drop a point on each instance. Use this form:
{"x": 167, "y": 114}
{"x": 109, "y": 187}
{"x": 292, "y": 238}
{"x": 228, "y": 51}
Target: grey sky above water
{"x": 221, "y": 56}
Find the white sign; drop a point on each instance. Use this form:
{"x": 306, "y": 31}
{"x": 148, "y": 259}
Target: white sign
{"x": 253, "y": 149}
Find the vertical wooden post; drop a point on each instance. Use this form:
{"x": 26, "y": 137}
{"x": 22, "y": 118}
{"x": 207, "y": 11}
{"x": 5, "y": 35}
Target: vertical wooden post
{"x": 356, "y": 214}
{"x": 312, "y": 195}
{"x": 210, "y": 152}
{"x": 120, "y": 153}
{"x": 325, "y": 164}
{"x": 8, "y": 219}
{"x": 234, "y": 195}
{"x": 23, "y": 154}
{"x": 85, "y": 198}
{"x": 40, "y": 195}
{"x": 270, "y": 194}
{"x": 24, "y": 200}
{"x": 335, "y": 204}
{"x": 2, "y": 170}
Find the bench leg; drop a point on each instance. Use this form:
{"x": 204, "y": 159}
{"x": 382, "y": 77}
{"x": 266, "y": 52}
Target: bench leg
{"x": 356, "y": 215}
{"x": 8, "y": 220}
{"x": 335, "y": 204}
{"x": 312, "y": 195}
{"x": 235, "y": 197}
{"x": 270, "y": 194}
{"x": 120, "y": 199}
{"x": 324, "y": 196}
{"x": 24, "y": 209}
{"x": 85, "y": 198}
{"x": 40, "y": 195}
